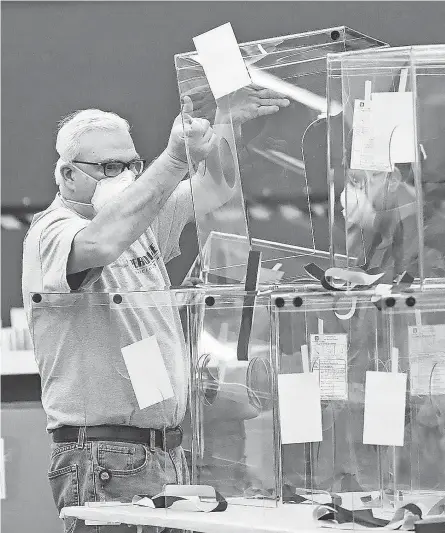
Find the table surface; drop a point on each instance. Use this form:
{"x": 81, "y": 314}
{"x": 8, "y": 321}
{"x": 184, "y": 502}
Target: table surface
{"x": 285, "y": 518}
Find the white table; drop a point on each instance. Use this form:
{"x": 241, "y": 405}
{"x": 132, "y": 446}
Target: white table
{"x": 286, "y": 518}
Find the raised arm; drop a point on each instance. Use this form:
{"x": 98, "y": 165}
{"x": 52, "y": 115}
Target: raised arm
{"x": 118, "y": 224}
{"x": 210, "y": 188}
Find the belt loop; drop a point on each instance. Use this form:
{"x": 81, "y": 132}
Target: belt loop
{"x": 81, "y": 438}
{"x": 152, "y": 440}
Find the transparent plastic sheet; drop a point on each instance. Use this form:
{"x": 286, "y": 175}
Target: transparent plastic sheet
{"x": 415, "y": 326}
{"x": 227, "y": 249}
{"x": 262, "y": 159}
{"x": 389, "y": 204}
{"x": 429, "y": 68}
{"x": 69, "y": 332}
{"x": 83, "y": 337}
{"x": 340, "y": 469}
{"x": 232, "y": 403}
{"x": 160, "y": 317}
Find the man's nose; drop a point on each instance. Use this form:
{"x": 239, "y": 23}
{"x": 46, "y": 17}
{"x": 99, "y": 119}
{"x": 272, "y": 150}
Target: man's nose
{"x": 127, "y": 173}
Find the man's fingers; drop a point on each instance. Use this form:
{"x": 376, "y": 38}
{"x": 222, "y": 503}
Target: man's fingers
{"x": 201, "y": 123}
{"x": 187, "y": 119}
{"x": 187, "y": 105}
{"x": 281, "y": 102}
{"x": 198, "y": 127}
{"x": 212, "y": 140}
{"x": 269, "y": 93}
{"x": 267, "y": 110}
{"x": 207, "y": 135}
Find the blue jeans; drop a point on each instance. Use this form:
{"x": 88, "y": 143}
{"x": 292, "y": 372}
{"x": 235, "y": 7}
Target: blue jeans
{"x": 74, "y": 476}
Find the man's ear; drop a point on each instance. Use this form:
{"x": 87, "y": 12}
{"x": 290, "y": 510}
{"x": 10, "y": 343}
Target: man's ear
{"x": 67, "y": 174}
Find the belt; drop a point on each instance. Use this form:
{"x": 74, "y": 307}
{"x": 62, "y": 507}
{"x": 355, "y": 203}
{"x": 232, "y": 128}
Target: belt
{"x": 166, "y": 439}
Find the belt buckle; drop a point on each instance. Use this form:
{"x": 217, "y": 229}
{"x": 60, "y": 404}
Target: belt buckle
{"x": 172, "y": 438}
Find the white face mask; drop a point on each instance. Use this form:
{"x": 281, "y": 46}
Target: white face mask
{"x": 108, "y": 188}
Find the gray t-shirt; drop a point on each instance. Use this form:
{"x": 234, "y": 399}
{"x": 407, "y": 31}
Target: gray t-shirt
{"x": 78, "y": 335}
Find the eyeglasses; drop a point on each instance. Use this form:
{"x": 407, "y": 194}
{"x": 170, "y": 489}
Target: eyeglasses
{"x": 111, "y": 169}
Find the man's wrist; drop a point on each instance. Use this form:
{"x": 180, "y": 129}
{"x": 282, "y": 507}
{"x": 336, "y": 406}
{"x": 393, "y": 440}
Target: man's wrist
{"x": 174, "y": 162}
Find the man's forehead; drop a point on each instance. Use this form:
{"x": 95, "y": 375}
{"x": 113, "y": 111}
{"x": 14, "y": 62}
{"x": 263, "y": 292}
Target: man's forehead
{"x": 99, "y": 145}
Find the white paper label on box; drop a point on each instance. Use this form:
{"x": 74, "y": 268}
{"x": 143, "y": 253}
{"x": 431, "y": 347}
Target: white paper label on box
{"x": 368, "y": 151}
{"x": 383, "y": 132}
{"x": 148, "y": 375}
{"x": 385, "y": 399}
{"x": 329, "y": 361}
{"x": 427, "y": 359}
{"x": 393, "y": 119}
{"x": 221, "y": 59}
{"x": 300, "y": 408}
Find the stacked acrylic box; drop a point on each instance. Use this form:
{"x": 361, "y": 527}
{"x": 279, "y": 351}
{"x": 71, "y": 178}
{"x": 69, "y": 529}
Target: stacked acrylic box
{"x": 387, "y": 176}
{"x": 263, "y": 175}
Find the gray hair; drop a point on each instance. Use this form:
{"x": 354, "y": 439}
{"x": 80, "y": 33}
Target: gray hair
{"x": 72, "y": 127}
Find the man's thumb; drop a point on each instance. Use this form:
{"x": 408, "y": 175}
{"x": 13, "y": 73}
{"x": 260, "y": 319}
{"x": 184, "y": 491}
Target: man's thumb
{"x": 187, "y": 106}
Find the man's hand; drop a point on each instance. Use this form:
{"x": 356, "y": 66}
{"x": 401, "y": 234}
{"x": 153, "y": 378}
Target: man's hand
{"x": 249, "y": 103}
{"x": 195, "y": 132}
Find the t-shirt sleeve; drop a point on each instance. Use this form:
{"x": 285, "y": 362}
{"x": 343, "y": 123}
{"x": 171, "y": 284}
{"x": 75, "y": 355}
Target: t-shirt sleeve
{"x": 168, "y": 226}
{"x": 56, "y": 237}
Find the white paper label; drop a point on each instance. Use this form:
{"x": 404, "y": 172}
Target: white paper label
{"x": 148, "y": 375}
{"x": 393, "y": 119}
{"x": 384, "y": 418}
{"x": 427, "y": 359}
{"x": 221, "y": 59}
{"x": 329, "y": 361}
{"x": 300, "y": 408}
{"x": 368, "y": 151}
{"x": 383, "y": 132}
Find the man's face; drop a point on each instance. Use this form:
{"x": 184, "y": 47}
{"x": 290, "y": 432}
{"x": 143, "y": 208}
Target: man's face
{"x": 100, "y": 147}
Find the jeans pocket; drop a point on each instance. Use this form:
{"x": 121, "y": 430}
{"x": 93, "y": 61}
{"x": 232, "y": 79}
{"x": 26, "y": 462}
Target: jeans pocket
{"x": 123, "y": 470}
{"x": 122, "y": 459}
{"x": 64, "y": 483}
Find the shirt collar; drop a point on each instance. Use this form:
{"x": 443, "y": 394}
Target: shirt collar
{"x": 82, "y": 209}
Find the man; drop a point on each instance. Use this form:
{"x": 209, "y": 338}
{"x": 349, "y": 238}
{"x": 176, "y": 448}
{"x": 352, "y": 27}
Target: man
{"x": 108, "y": 232}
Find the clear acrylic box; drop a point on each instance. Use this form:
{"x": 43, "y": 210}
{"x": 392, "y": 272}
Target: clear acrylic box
{"x": 386, "y": 159}
{"x": 338, "y": 336}
{"x": 217, "y": 360}
{"x": 222, "y": 261}
{"x": 415, "y": 326}
{"x": 233, "y": 413}
{"x": 263, "y": 173}
{"x": 345, "y": 337}
{"x": 226, "y": 352}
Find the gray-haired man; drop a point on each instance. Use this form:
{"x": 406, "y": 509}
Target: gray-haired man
{"x": 112, "y": 227}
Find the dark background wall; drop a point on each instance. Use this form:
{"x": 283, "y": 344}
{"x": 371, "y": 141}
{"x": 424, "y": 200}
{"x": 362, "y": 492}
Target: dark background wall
{"x": 61, "y": 56}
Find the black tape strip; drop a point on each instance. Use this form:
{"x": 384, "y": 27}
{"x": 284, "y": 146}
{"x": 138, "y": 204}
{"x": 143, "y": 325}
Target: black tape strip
{"x": 315, "y": 271}
{"x": 222, "y": 503}
{"x": 318, "y": 273}
{"x": 164, "y": 502}
{"x": 251, "y": 285}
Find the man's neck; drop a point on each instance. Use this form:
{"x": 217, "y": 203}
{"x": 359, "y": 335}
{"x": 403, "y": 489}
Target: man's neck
{"x": 83, "y": 209}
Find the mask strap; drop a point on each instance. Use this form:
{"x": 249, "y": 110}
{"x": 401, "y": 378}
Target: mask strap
{"x": 79, "y": 169}
{"x": 86, "y": 204}
{"x": 74, "y": 201}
